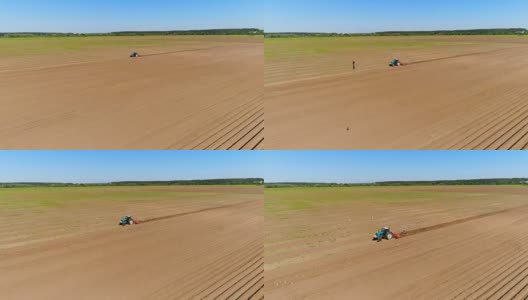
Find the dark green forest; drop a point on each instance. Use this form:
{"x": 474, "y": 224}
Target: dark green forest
{"x": 496, "y": 181}
{"x": 239, "y": 31}
{"x": 231, "y": 181}
{"x": 498, "y": 31}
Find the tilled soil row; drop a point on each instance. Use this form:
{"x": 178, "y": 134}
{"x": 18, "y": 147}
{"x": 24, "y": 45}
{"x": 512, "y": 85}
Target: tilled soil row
{"x": 442, "y": 98}
{"x": 456, "y": 259}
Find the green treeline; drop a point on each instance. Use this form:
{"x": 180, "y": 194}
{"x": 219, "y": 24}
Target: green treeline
{"x": 499, "y": 31}
{"x": 232, "y": 181}
{"x": 260, "y": 181}
{"x": 256, "y": 31}
{"x": 243, "y": 31}
{"x": 496, "y": 181}
{"x": 240, "y": 31}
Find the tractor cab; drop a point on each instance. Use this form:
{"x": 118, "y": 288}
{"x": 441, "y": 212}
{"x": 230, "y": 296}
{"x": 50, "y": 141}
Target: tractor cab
{"x": 383, "y": 233}
{"x": 127, "y": 220}
{"x": 395, "y": 63}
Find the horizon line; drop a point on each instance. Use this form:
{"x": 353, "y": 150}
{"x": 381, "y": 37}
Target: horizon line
{"x": 125, "y": 31}
{"x": 403, "y": 181}
{"x": 128, "y": 181}
{"x": 389, "y": 31}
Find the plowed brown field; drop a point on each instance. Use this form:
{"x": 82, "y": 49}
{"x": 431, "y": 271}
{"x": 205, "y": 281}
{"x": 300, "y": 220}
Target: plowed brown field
{"x": 187, "y": 93}
{"x": 473, "y": 247}
{"x": 198, "y": 243}
{"x": 453, "y": 93}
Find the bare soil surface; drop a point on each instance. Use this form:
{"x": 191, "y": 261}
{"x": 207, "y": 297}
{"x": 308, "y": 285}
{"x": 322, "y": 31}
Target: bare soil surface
{"x": 469, "y": 95}
{"x": 208, "y": 246}
{"x": 194, "y": 93}
{"x": 471, "y": 249}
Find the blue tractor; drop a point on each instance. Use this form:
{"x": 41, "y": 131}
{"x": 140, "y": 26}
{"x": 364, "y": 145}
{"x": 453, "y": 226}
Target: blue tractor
{"x": 127, "y": 220}
{"x": 383, "y": 234}
{"x": 395, "y": 63}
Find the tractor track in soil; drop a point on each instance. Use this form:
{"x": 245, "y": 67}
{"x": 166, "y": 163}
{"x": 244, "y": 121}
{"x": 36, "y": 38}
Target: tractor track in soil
{"x": 180, "y": 97}
{"x": 460, "y": 221}
{"x": 60, "y": 66}
{"x": 180, "y": 51}
{"x": 450, "y": 57}
{"x": 444, "y": 98}
{"x": 157, "y": 219}
{"x": 240, "y": 129}
{"x": 171, "y": 259}
{"x": 472, "y": 249}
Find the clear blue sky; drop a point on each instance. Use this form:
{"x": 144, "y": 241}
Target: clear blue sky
{"x": 116, "y": 15}
{"x": 106, "y": 166}
{"x": 382, "y": 15}
{"x": 309, "y": 166}
{"x": 271, "y": 15}
{"x": 371, "y": 166}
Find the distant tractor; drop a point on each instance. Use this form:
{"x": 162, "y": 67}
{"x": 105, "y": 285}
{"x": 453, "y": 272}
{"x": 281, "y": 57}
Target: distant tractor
{"x": 385, "y": 233}
{"x": 127, "y": 220}
{"x": 134, "y": 54}
{"x": 395, "y": 63}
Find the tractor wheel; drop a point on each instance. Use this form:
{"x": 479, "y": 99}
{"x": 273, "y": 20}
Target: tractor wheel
{"x": 389, "y": 236}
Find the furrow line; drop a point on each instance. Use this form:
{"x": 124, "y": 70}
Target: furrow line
{"x": 252, "y": 290}
{"x": 496, "y": 125}
{"x": 235, "y": 281}
{"x": 218, "y": 284}
{"x": 230, "y": 122}
{"x": 175, "y": 289}
{"x": 254, "y": 139}
{"x": 455, "y": 139}
{"x": 504, "y": 139}
{"x": 480, "y": 130}
{"x": 189, "y": 140}
{"x": 474, "y": 265}
{"x": 495, "y": 288}
{"x": 229, "y": 263}
{"x": 239, "y": 291}
{"x": 222, "y": 140}
{"x": 505, "y": 262}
